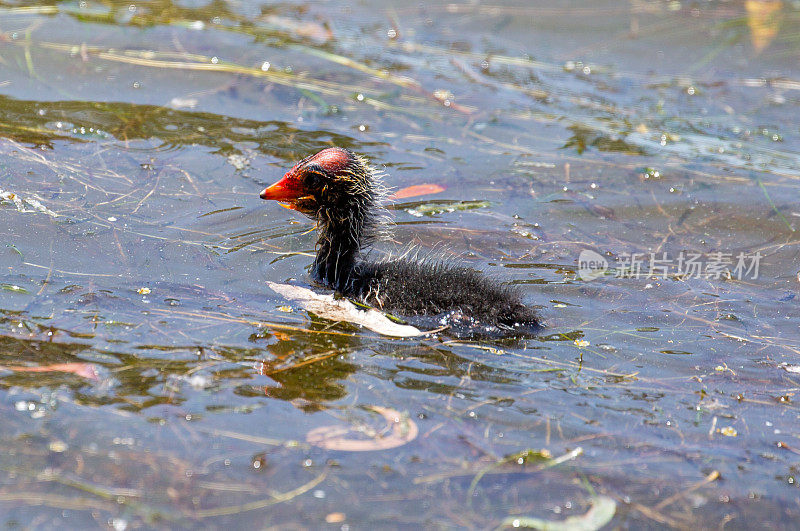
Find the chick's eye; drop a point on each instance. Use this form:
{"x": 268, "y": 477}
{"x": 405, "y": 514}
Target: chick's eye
{"x": 314, "y": 177}
{"x": 313, "y": 180}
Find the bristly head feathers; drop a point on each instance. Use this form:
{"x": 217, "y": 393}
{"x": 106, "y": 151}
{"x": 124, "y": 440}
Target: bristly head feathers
{"x": 338, "y": 189}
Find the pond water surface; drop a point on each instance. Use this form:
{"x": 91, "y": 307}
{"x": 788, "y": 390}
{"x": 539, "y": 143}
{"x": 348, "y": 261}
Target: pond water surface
{"x": 150, "y": 377}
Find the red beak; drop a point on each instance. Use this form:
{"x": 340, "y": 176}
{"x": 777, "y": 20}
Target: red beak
{"x": 283, "y": 190}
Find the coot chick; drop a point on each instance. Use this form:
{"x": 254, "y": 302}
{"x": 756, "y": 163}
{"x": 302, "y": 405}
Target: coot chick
{"x": 343, "y": 194}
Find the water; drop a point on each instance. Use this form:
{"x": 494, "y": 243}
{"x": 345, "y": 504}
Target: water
{"x": 151, "y": 378}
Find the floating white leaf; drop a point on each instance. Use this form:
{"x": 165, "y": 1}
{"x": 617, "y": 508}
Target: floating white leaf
{"x": 601, "y": 513}
{"x": 343, "y": 310}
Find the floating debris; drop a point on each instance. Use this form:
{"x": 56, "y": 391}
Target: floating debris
{"x": 601, "y": 513}
{"x": 238, "y": 161}
{"x": 58, "y": 447}
{"x": 335, "y": 518}
{"x": 794, "y": 369}
{"x": 431, "y": 209}
{"x": 343, "y": 310}
{"x": 417, "y": 190}
{"x": 183, "y": 103}
{"x": 399, "y": 431}
{"x": 13, "y": 288}
{"x": 23, "y": 204}
{"x": 84, "y": 370}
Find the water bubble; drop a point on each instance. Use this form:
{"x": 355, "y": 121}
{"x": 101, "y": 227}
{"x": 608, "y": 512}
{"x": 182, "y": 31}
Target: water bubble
{"x": 650, "y": 173}
{"x": 214, "y": 60}
{"x": 360, "y": 97}
{"x": 265, "y": 66}
{"x": 392, "y": 33}
{"x": 259, "y": 462}
{"x": 132, "y": 8}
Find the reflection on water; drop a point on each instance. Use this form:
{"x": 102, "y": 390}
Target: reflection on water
{"x": 149, "y": 377}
